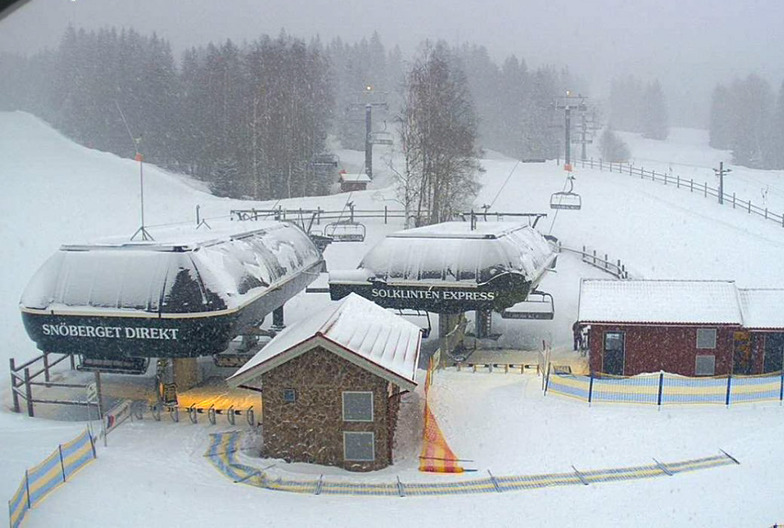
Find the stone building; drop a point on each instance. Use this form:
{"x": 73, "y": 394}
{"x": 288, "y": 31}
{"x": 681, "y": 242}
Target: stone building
{"x": 331, "y": 385}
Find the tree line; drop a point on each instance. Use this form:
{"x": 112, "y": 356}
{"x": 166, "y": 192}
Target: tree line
{"x": 252, "y": 120}
{"x": 747, "y": 119}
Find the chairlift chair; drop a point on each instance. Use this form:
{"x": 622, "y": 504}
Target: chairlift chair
{"x": 566, "y": 199}
{"x": 125, "y": 365}
{"x": 381, "y": 138}
{"x": 538, "y": 305}
{"x": 345, "y": 231}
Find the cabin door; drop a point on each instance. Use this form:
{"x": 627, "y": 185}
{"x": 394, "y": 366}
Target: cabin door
{"x": 743, "y": 358}
{"x": 774, "y": 352}
{"x": 614, "y": 353}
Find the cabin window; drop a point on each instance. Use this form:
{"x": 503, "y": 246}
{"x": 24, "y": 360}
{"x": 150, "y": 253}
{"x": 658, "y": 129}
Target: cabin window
{"x": 357, "y": 406}
{"x": 706, "y": 338}
{"x": 289, "y": 395}
{"x": 359, "y": 447}
{"x": 705, "y": 365}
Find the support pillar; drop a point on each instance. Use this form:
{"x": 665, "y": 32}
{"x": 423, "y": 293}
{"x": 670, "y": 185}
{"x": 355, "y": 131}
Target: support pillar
{"x": 185, "y": 372}
{"x": 483, "y": 324}
{"x": 277, "y": 318}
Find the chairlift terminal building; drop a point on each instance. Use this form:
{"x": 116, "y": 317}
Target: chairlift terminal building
{"x": 451, "y": 267}
{"x": 187, "y": 294}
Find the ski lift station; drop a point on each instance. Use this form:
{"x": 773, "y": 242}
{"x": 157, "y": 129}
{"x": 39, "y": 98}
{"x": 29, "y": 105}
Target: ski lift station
{"x": 185, "y": 295}
{"x": 451, "y": 268}
{"x": 350, "y": 182}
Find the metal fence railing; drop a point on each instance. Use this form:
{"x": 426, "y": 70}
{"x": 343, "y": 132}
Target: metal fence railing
{"x": 664, "y": 388}
{"x": 616, "y": 268}
{"x": 43, "y": 478}
{"x": 690, "y": 185}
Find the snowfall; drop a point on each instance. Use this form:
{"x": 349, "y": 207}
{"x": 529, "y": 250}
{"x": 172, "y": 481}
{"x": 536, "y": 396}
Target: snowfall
{"x": 154, "y": 473}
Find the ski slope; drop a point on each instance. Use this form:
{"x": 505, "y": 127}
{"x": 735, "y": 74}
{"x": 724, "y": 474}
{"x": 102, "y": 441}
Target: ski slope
{"x": 154, "y": 474}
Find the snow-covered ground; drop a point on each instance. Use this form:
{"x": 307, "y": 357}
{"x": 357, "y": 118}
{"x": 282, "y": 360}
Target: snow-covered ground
{"x": 154, "y": 474}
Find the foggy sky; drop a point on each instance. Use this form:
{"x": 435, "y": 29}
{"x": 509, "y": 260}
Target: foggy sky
{"x": 689, "y": 45}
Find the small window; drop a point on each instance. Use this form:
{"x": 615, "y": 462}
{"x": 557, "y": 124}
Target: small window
{"x": 358, "y": 406}
{"x": 359, "y": 447}
{"x": 706, "y": 338}
{"x": 289, "y": 395}
{"x": 613, "y": 341}
{"x": 705, "y": 366}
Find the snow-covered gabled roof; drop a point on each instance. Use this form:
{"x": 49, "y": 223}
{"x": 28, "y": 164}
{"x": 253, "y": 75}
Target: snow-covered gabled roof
{"x": 356, "y": 330}
{"x": 762, "y": 308}
{"x": 359, "y": 177}
{"x": 659, "y": 301}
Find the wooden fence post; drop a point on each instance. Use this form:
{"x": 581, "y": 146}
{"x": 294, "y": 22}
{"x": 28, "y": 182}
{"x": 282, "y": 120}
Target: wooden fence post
{"x": 691, "y": 185}
{"x": 14, "y": 395}
{"x": 733, "y": 200}
{"x": 729, "y": 389}
{"x": 46, "y": 367}
{"x": 62, "y": 465}
{"x": 590, "y": 389}
{"x": 781, "y": 386}
{"x": 28, "y": 393}
{"x": 661, "y": 389}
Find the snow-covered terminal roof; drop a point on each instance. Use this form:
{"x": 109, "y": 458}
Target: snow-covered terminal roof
{"x": 450, "y": 267}
{"x": 604, "y": 301}
{"x": 231, "y": 276}
{"x": 356, "y": 330}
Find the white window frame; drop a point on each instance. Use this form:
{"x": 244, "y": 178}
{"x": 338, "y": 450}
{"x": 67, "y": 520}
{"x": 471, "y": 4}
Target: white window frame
{"x": 346, "y": 434}
{"x": 697, "y": 363}
{"x": 372, "y": 407}
{"x": 715, "y": 338}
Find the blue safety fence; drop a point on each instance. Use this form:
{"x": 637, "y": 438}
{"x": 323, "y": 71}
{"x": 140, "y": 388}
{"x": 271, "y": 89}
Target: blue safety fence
{"x": 223, "y": 449}
{"x": 46, "y": 476}
{"x": 664, "y": 388}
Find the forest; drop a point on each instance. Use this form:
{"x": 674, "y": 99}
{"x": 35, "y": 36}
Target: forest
{"x": 252, "y": 120}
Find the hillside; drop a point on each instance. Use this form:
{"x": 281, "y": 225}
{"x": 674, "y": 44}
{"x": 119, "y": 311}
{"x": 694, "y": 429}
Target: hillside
{"x": 153, "y": 474}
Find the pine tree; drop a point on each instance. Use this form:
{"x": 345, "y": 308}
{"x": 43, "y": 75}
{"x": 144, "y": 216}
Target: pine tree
{"x": 721, "y": 124}
{"x": 225, "y": 180}
{"x": 613, "y": 148}
{"x": 655, "y": 122}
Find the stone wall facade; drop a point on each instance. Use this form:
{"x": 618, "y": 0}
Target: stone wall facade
{"x": 310, "y": 428}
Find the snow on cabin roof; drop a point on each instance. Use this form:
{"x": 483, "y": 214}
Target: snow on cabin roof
{"x": 451, "y": 252}
{"x": 659, "y": 301}
{"x": 762, "y": 308}
{"x": 461, "y": 230}
{"x": 359, "y": 177}
{"x": 354, "y": 328}
{"x": 224, "y": 268}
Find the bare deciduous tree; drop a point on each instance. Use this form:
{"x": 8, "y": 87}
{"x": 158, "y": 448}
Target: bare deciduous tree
{"x": 438, "y": 137}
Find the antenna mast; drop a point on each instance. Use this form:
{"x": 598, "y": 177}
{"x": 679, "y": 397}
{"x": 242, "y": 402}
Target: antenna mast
{"x": 141, "y": 232}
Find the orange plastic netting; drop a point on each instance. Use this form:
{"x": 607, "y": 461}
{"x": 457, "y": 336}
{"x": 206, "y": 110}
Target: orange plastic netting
{"x": 436, "y": 456}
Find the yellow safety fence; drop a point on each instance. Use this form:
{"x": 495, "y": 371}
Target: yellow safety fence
{"x": 664, "y": 388}
{"x": 46, "y": 476}
{"x": 223, "y": 449}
